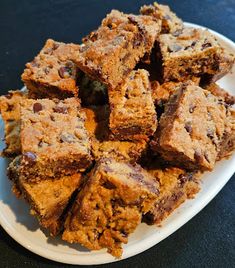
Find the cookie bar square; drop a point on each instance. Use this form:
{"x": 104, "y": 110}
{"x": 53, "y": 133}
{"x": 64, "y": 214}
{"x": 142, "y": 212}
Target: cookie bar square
{"x": 110, "y": 206}
{"x": 194, "y": 52}
{"x": 132, "y": 115}
{"x": 52, "y": 73}
{"x": 48, "y": 198}
{"x": 53, "y": 138}
{"x": 191, "y": 128}
{"x": 112, "y": 51}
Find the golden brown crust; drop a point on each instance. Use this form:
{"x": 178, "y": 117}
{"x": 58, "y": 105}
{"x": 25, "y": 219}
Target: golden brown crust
{"x": 53, "y": 137}
{"x": 52, "y": 73}
{"x": 191, "y": 128}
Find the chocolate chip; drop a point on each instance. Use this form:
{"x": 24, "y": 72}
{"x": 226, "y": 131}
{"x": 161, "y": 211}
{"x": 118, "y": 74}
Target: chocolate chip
{"x": 109, "y": 25}
{"x": 67, "y": 137}
{"x": 137, "y": 176}
{"x": 37, "y": 107}
{"x": 107, "y": 169}
{"x": 65, "y": 72}
{"x": 183, "y": 178}
{"x": 52, "y": 117}
{"x": 83, "y": 48}
{"x": 177, "y": 33}
{"x": 109, "y": 185}
{"x": 47, "y": 70}
{"x": 42, "y": 144}
{"x": 9, "y": 95}
{"x": 210, "y": 133}
{"x": 30, "y": 158}
{"x": 174, "y": 48}
{"x": 192, "y": 108}
{"x": 55, "y": 46}
{"x": 206, "y": 157}
{"x": 206, "y": 45}
{"x": 120, "y": 202}
{"x": 10, "y": 108}
{"x": 167, "y": 17}
{"x": 149, "y": 218}
{"x": 198, "y": 156}
{"x": 34, "y": 64}
{"x": 60, "y": 109}
{"x": 188, "y": 127}
{"x": 124, "y": 233}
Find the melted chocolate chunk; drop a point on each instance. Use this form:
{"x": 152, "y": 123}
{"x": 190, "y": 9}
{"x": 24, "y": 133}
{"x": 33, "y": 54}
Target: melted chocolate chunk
{"x": 30, "y": 158}
{"x": 149, "y": 218}
{"x": 65, "y": 72}
{"x": 37, "y": 107}
{"x": 192, "y": 108}
{"x": 206, "y": 45}
{"x": 109, "y": 185}
{"x": 60, "y": 109}
{"x": 206, "y": 157}
{"x": 198, "y": 156}
{"x": 188, "y": 127}
{"x": 67, "y": 137}
{"x": 174, "y": 48}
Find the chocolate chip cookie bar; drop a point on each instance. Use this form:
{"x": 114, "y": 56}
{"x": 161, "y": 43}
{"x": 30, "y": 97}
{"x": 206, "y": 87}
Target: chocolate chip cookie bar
{"x": 110, "y": 206}
{"x": 52, "y": 73}
{"x": 101, "y": 146}
{"x": 191, "y": 128}
{"x": 53, "y": 138}
{"x": 48, "y": 199}
{"x": 194, "y": 52}
{"x": 170, "y": 22}
{"x": 10, "y": 112}
{"x": 112, "y": 51}
{"x": 175, "y": 187}
{"x": 132, "y": 115}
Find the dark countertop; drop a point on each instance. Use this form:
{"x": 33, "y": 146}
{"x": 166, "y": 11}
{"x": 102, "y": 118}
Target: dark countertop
{"x": 208, "y": 240}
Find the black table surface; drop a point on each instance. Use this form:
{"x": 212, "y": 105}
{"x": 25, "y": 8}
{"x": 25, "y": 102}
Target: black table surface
{"x": 208, "y": 240}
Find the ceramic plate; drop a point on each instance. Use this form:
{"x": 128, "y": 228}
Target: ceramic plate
{"x": 15, "y": 218}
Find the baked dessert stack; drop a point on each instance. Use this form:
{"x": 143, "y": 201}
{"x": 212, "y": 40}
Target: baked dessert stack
{"x": 118, "y": 130}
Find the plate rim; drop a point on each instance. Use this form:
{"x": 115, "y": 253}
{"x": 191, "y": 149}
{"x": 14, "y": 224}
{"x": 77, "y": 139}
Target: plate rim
{"x": 133, "y": 249}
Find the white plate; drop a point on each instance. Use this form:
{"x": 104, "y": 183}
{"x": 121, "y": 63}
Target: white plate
{"x": 15, "y": 218}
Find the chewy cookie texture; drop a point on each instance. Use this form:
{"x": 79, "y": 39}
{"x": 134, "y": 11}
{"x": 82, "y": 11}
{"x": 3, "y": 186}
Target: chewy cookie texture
{"x": 53, "y": 138}
{"x": 110, "y": 206}
{"x": 191, "y": 128}
{"x": 10, "y": 111}
{"x": 193, "y": 52}
{"x": 48, "y": 199}
{"x": 52, "y": 73}
{"x": 112, "y": 51}
{"x": 132, "y": 115}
